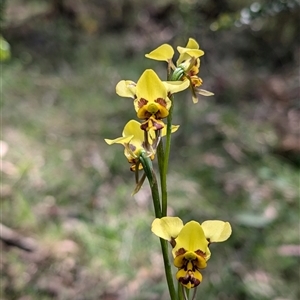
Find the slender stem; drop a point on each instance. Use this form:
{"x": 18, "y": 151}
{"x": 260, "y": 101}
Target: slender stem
{"x": 187, "y": 292}
{"x": 155, "y": 196}
{"x": 194, "y": 293}
{"x": 180, "y": 291}
{"x": 147, "y": 166}
{"x": 163, "y": 180}
{"x": 136, "y": 173}
{"x": 186, "y": 296}
{"x": 163, "y": 156}
{"x": 160, "y": 157}
{"x": 168, "y": 269}
{"x": 164, "y": 194}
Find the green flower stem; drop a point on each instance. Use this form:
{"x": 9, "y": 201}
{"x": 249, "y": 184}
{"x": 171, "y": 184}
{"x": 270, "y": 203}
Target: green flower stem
{"x": 147, "y": 166}
{"x": 187, "y": 292}
{"x": 163, "y": 179}
{"x": 179, "y": 291}
{"x": 168, "y": 269}
{"x": 160, "y": 157}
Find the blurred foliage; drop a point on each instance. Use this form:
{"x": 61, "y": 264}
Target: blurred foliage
{"x": 4, "y": 45}
{"x": 235, "y": 157}
{"x": 4, "y": 49}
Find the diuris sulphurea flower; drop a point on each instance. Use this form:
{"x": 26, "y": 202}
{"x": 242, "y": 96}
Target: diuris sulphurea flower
{"x": 187, "y": 65}
{"x": 190, "y": 244}
{"x": 151, "y": 97}
{"x": 135, "y": 140}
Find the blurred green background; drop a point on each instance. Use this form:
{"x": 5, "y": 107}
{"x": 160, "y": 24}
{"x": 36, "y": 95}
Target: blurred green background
{"x": 71, "y": 229}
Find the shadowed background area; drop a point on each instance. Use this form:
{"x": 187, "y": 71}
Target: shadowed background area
{"x": 70, "y": 227}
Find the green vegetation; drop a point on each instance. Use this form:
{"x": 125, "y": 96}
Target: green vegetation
{"x": 70, "y": 193}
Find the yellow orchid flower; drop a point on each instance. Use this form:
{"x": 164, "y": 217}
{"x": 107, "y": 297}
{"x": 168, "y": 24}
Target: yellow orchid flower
{"x": 190, "y": 244}
{"x": 190, "y": 50}
{"x": 191, "y": 74}
{"x": 151, "y": 97}
{"x": 135, "y": 140}
{"x": 163, "y": 53}
{"x": 188, "y": 62}
{"x": 126, "y": 88}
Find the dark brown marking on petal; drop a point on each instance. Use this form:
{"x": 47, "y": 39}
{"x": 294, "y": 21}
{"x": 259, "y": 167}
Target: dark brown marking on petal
{"x": 187, "y": 264}
{"x": 161, "y": 101}
{"x": 147, "y": 115}
{"x": 200, "y": 253}
{"x": 142, "y": 102}
{"x": 132, "y": 147}
{"x": 180, "y": 251}
{"x": 173, "y": 242}
{"x": 189, "y": 277}
{"x": 145, "y": 125}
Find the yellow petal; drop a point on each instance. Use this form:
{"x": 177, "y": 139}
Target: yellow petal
{"x": 150, "y": 87}
{"x": 192, "y": 44}
{"x": 191, "y": 238}
{"x": 167, "y": 227}
{"x": 132, "y": 134}
{"x": 152, "y": 135}
{"x": 174, "y": 128}
{"x": 190, "y": 50}
{"x": 189, "y": 278}
{"x": 204, "y": 92}
{"x": 187, "y": 54}
{"x": 198, "y": 261}
{"x": 163, "y": 53}
{"x": 121, "y": 140}
{"x": 207, "y": 254}
{"x": 194, "y": 98}
{"x": 216, "y": 231}
{"x": 176, "y": 86}
{"x": 126, "y": 88}
{"x": 133, "y": 128}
